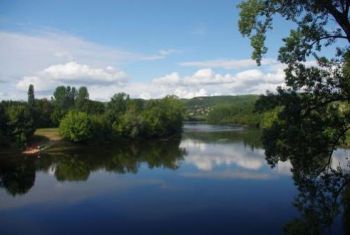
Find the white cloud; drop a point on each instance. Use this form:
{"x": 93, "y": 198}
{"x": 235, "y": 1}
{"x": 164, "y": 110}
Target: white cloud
{"x": 74, "y": 74}
{"x": 24, "y": 53}
{"x": 208, "y": 82}
{"x": 50, "y": 58}
{"x": 103, "y": 82}
{"x": 207, "y": 157}
{"x": 227, "y": 63}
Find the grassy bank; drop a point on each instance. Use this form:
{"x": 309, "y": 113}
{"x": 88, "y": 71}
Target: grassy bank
{"x": 50, "y": 134}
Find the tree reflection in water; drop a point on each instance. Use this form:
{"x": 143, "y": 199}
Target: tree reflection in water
{"x": 17, "y": 173}
{"x": 323, "y": 184}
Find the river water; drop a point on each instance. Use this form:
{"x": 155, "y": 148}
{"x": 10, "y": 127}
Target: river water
{"x": 214, "y": 180}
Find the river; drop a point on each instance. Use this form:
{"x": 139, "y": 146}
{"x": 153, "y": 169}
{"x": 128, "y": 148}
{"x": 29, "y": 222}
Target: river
{"x": 214, "y": 180}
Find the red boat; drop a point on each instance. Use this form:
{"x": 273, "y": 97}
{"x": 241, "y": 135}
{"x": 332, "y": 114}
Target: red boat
{"x": 32, "y": 151}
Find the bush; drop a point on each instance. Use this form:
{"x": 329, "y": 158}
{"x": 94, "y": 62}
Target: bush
{"x": 163, "y": 118}
{"x": 20, "y": 125}
{"x": 102, "y": 130}
{"x": 76, "y": 127}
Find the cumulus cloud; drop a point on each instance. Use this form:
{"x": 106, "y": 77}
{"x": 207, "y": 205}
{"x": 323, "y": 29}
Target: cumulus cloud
{"x": 47, "y": 58}
{"x": 103, "y": 82}
{"x": 25, "y": 53}
{"x": 227, "y": 63}
{"x": 208, "y": 82}
{"x": 207, "y": 157}
{"x": 73, "y": 73}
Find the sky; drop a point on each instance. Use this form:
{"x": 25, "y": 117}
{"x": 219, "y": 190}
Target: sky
{"x": 147, "y": 49}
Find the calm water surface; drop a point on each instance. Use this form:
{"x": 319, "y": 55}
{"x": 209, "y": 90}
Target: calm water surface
{"x": 215, "y": 180}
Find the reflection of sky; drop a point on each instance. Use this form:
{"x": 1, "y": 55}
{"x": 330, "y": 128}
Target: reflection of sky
{"x": 229, "y": 160}
{"x": 218, "y": 185}
{"x": 341, "y": 158}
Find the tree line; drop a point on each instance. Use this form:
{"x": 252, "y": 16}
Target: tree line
{"x": 81, "y": 119}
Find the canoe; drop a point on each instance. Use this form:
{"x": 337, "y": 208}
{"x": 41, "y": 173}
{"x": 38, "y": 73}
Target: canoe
{"x": 33, "y": 151}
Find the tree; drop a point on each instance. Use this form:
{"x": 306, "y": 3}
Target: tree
{"x": 117, "y": 106}
{"x": 3, "y": 126}
{"x": 76, "y": 127}
{"x": 312, "y": 18}
{"x": 43, "y": 113}
{"x": 316, "y": 100}
{"x": 31, "y": 97}
{"x": 20, "y": 123}
{"x": 63, "y": 100}
{"x": 314, "y": 111}
{"x": 82, "y": 99}
{"x": 163, "y": 118}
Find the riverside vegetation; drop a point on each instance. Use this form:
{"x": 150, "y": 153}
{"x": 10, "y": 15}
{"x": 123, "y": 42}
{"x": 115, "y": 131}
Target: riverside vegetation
{"x": 82, "y": 120}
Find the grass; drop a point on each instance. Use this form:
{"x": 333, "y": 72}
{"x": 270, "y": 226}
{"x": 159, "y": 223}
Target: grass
{"x": 50, "y": 134}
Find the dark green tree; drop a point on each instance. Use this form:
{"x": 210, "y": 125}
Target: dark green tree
{"x": 20, "y": 123}
{"x": 118, "y": 103}
{"x": 3, "y": 126}
{"x": 314, "y": 113}
{"x": 63, "y": 100}
{"x": 31, "y": 97}
{"x": 43, "y": 110}
{"x": 82, "y": 99}
{"x": 314, "y": 109}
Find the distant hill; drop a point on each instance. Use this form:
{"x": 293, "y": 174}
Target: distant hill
{"x": 198, "y": 108}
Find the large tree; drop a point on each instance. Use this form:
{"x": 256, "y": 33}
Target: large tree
{"x": 315, "y": 102}
{"x": 31, "y": 97}
{"x": 82, "y": 99}
{"x": 314, "y": 106}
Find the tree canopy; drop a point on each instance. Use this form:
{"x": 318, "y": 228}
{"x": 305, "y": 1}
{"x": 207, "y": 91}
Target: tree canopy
{"x": 314, "y": 111}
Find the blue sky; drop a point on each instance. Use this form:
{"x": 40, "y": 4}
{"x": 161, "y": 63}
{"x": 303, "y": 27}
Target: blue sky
{"x": 145, "y": 48}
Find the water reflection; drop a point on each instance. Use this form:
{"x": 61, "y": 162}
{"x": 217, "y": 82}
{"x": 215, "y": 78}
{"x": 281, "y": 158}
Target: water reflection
{"x": 17, "y": 173}
{"x": 207, "y": 156}
{"x": 207, "y": 176}
{"x": 323, "y": 195}
{"x": 321, "y": 174}
{"x": 228, "y": 154}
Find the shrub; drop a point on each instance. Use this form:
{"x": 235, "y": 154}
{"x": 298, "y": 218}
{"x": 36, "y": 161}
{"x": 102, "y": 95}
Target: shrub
{"x": 20, "y": 125}
{"x": 76, "y": 127}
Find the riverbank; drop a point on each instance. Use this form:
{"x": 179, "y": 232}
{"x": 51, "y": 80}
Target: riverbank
{"x": 50, "y": 134}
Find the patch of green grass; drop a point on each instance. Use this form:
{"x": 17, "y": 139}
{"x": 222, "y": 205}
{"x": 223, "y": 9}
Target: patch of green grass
{"x": 48, "y": 133}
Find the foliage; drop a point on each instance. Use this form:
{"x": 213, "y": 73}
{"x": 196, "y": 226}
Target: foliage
{"x": 3, "y": 126}
{"x": 69, "y": 98}
{"x": 81, "y": 119}
{"x": 102, "y": 130}
{"x": 117, "y": 106}
{"x": 163, "y": 117}
{"x": 82, "y": 100}
{"x": 63, "y": 100}
{"x": 42, "y": 112}
{"x": 198, "y": 108}
{"x": 156, "y": 118}
{"x": 239, "y": 113}
{"x": 241, "y": 110}
{"x": 313, "y": 110}
{"x": 31, "y": 97}
{"x": 16, "y": 123}
{"x": 76, "y": 127}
